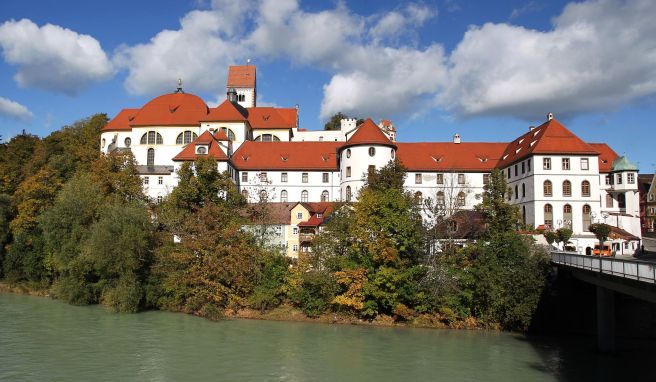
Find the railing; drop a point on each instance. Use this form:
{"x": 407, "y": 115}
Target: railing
{"x": 304, "y": 237}
{"x": 631, "y": 269}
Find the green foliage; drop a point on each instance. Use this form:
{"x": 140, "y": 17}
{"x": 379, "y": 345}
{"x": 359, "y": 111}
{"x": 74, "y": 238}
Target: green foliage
{"x": 499, "y": 215}
{"x": 5, "y": 219}
{"x": 550, "y": 236}
{"x": 269, "y": 291}
{"x": 16, "y": 161}
{"x": 25, "y": 258}
{"x": 315, "y": 292}
{"x": 601, "y": 231}
{"x": 563, "y": 234}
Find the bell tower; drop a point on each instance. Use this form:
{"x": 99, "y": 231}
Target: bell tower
{"x": 242, "y": 80}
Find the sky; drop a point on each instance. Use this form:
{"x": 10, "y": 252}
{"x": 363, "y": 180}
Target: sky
{"x": 484, "y": 69}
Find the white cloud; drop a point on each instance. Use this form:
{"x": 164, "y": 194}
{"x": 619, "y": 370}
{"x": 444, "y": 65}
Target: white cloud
{"x": 53, "y": 58}
{"x": 599, "y": 54}
{"x": 13, "y": 109}
{"x": 395, "y": 25}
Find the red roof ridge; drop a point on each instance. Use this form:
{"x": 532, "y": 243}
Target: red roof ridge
{"x": 188, "y": 153}
{"x": 241, "y": 76}
{"x": 172, "y": 109}
{"x": 121, "y": 121}
{"x": 227, "y": 112}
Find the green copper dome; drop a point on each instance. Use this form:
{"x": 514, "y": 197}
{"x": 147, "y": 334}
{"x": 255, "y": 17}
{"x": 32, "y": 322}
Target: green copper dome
{"x": 623, "y": 164}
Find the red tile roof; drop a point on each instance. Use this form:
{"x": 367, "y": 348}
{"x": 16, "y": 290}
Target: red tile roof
{"x": 316, "y": 208}
{"x": 448, "y": 156}
{"x": 121, "y": 122}
{"x": 286, "y": 156}
{"x": 220, "y": 135}
{"x": 549, "y": 138}
{"x": 176, "y": 109}
{"x": 606, "y": 156}
{"x": 369, "y": 133}
{"x": 241, "y": 76}
{"x": 227, "y": 112}
{"x": 189, "y": 151}
{"x": 272, "y": 118}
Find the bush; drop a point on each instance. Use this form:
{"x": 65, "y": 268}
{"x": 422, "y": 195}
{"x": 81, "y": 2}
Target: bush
{"x": 316, "y": 292}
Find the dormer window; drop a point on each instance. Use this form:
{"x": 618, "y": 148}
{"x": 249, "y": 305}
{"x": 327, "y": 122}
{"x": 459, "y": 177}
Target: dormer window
{"x": 201, "y": 149}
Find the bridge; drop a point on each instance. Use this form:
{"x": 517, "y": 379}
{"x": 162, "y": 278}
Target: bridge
{"x": 631, "y": 277}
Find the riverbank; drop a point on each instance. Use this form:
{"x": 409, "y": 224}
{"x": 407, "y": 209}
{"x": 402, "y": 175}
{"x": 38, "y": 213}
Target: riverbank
{"x": 291, "y": 314}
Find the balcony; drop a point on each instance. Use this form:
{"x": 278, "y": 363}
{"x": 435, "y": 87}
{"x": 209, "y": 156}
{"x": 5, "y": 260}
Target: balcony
{"x": 305, "y": 237}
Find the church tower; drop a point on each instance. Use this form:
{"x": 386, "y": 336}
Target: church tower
{"x": 242, "y": 80}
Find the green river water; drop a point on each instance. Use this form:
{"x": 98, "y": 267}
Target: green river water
{"x": 46, "y": 340}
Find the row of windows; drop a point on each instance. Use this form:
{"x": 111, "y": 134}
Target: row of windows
{"x": 186, "y": 137}
{"x": 440, "y": 201}
{"x": 267, "y": 138}
{"x": 284, "y": 178}
{"x": 630, "y": 179}
{"x": 146, "y": 180}
{"x": 525, "y": 165}
{"x": 567, "y": 188}
{"x": 565, "y": 164}
{"x": 371, "y": 151}
{"x": 284, "y": 195}
{"x": 567, "y": 216}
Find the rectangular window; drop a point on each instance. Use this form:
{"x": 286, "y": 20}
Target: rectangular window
{"x": 263, "y": 177}
{"x": 546, "y": 163}
{"x": 607, "y": 180}
{"x": 160, "y": 180}
{"x": 325, "y": 177}
{"x": 439, "y": 178}
{"x": 508, "y": 172}
{"x": 348, "y": 171}
{"x": 305, "y": 177}
{"x": 159, "y": 198}
{"x": 585, "y": 165}
{"x": 295, "y": 230}
{"x": 244, "y": 177}
{"x": 619, "y": 178}
{"x": 461, "y": 178}
{"x": 565, "y": 163}
{"x": 486, "y": 178}
{"x": 609, "y": 201}
{"x": 146, "y": 180}
{"x": 516, "y": 172}
{"x": 528, "y": 165}
{"x": 299, "y": 215}
{"x": 523, "y": 167}
{"x": 295, "y": 248}
{"x": 630, "y": 178}
{"x": 418, "y": 178}
{"x": 283, "y": 177}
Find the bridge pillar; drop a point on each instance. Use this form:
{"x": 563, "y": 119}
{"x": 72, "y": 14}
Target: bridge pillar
{"x": 605, "y": 320}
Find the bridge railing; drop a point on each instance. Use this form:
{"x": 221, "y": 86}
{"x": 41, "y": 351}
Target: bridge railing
{"x": 631, "y": 269}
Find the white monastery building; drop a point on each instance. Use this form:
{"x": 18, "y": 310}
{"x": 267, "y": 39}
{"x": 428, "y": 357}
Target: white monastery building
{"x": 557, "y": 179}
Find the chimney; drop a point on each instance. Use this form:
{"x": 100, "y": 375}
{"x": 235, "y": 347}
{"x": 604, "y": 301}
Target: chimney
{"x": 456, "y": 138}
{"x": 549, "y": 116}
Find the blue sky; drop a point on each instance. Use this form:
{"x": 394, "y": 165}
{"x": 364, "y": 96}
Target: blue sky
{"x": 486, "y": 70}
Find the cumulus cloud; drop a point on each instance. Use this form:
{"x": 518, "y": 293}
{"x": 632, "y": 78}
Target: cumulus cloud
{"x": 198, "y": 52}
{"x": 14, "y": 110}
{"x": 599, "y": 54}
{"x": 395, "y": 25}
{"x": 53, "y": 58}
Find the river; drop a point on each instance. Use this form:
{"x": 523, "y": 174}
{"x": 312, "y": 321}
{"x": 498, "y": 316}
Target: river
{"x": 47, "y": 340}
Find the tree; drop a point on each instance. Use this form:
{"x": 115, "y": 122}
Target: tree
{"x": 5, "y": 233}
{"x": 564, "y": 234}
{"x": 601, "y": 231}
{"x": 32, "y": 197}
{"x": 500, "y": 216}
{"x": 15, "y": 161}
{"x": 335, "y": 122}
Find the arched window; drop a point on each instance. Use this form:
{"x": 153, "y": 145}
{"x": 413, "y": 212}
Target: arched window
{"x": 244, "y": 193}
{"x": 229, "y": 133}
{"x": 324, "y": 196}
{"x": 151, "y": 138}
{"x": 128, "y": 142}
{"x": 372, "y": 151}
{"x": 567, "y": 188}
{"x": 587, "y": 217}
{"x": 524, "y": 214}
{"x": 304, "y": 196}
{"x": 548, "y": 215}
{"x": 393, "y": 154}
{"x": 547, "y": 188}
{"x": 103, "y": 142}
{"x": 419, "y": 196}
{"x": 185, "y": 138}
{"x": 202, "y": 150}
{"x": 150, "y": 159}
{"x": 609, "y": 201}
{"x": 283, "y": 196}
{"x": 348, "y": 193}
{"x": 439, "y": 198}
{"x": 516, "y": 192}
{"x": 348, "y": 153}
{"x": 585, "y": 188}
{"x": 567, "y": 216}
{"x": 461, "y": 199}
{"x": 263, "y": 196}
{"x": 523, "y": 190}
